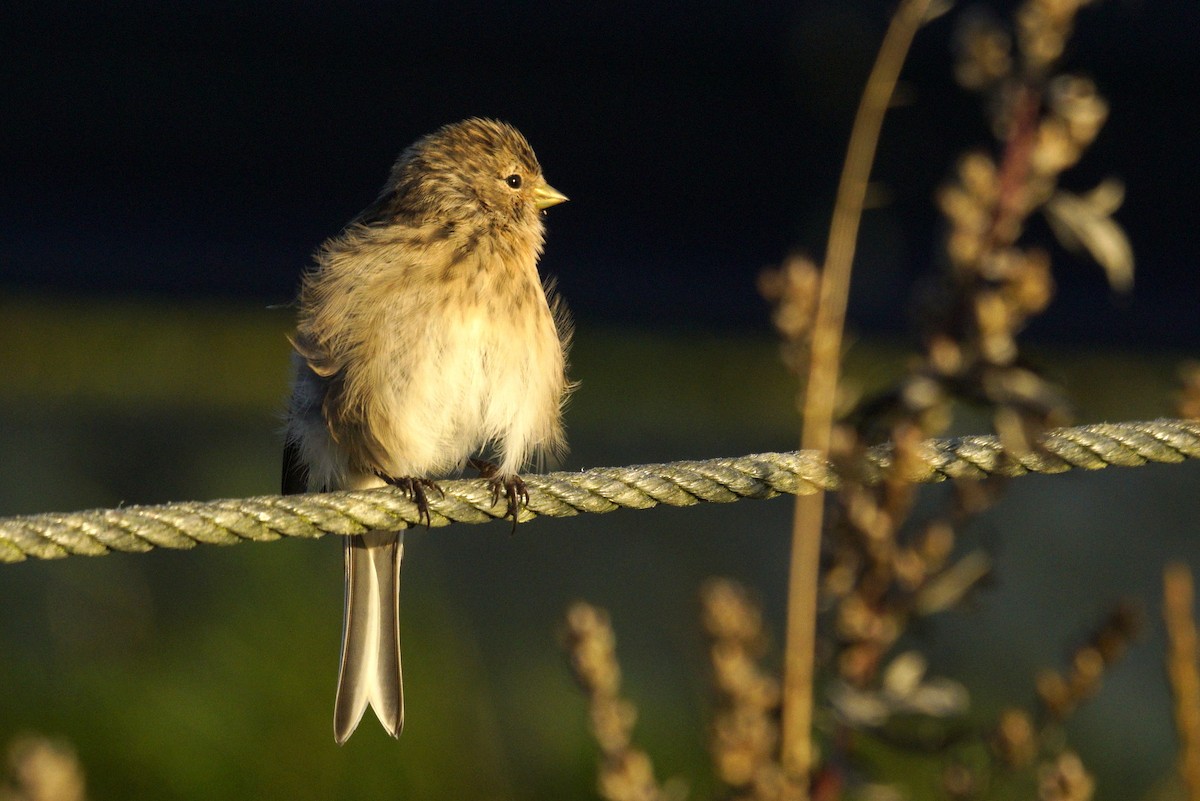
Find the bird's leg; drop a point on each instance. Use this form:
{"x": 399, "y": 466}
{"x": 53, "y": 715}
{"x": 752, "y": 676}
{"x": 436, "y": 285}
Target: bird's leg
{"x": 415, "y": 488}
{"x": 514, "y": 489}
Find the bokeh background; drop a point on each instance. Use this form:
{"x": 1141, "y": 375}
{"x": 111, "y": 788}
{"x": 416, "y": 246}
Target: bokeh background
{"x": 168, "y": 171}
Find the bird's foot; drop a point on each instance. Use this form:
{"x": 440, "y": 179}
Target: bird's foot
{"x": 512, "y": 487}
{"x": 415, "y": 488}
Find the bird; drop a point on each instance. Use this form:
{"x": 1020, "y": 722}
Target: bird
{"x": 426, "y": 339}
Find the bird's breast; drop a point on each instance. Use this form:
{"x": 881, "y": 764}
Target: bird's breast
{"x": 467, "y": 356}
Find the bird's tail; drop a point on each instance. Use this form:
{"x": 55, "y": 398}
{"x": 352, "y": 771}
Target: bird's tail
{"x": 370, "y": 671}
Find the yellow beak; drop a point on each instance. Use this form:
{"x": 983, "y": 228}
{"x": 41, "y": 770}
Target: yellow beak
{"x": 548, "y": 196}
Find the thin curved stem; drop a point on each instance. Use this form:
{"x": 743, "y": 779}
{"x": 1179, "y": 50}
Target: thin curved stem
{"x": 821, "y": 392}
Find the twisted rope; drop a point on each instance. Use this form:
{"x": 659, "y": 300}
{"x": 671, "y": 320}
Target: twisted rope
{"x": 764, "y": 475}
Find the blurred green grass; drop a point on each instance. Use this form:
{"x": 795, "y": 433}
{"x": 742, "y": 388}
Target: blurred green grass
{"x": 209, "y": 674}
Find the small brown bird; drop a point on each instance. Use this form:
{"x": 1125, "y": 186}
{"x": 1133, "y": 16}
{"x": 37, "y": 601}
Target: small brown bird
{"x": 425, "y": 338}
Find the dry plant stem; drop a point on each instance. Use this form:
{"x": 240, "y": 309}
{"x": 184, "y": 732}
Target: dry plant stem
{"x": 625, "y": 773}
{"x": 820, "y": 395}
{"x": 1012, "y": 205}
{"x": 1183, "y": 671}
{"x": 745, "y": 730}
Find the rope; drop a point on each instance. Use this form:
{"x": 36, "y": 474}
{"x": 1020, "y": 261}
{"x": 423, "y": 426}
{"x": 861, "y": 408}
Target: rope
{"x": 764, "y": 475}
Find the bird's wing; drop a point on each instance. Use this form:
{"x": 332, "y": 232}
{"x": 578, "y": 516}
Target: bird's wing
{"x": 315, "y": 355}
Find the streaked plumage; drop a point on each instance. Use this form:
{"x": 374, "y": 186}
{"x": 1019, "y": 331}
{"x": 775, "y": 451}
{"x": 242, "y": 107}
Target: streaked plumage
{"x": 425, "y": 337}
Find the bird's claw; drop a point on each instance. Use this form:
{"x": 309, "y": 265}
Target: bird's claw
{"x": 515, "y": 494}
{"x": 415, "y": 488}
{"x": 512, "y": 487}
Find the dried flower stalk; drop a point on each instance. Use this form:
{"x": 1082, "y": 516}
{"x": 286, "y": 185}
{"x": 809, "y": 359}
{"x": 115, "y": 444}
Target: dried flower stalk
{"x": 745, "y": 730}
{"x": 626, "y": 773}
{"x": 1065, "y": 779}
{"x": 41, "y": 769}
{"x": 1060, "y": 693}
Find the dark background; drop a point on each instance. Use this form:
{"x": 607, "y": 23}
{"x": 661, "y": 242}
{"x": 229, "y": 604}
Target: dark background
{"x": 206, "y": 149}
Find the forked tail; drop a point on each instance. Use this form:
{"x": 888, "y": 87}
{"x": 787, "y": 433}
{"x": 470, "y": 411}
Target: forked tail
{"x": 370, "y": 671}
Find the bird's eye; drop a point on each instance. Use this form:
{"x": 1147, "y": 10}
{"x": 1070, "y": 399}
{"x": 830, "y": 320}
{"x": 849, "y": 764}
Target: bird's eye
{"x": 514, "y": 181}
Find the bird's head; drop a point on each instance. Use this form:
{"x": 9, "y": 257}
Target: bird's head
{"x": 474, "y": 169}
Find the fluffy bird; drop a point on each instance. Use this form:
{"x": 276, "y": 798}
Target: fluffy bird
{"x": 425, "y": 338}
